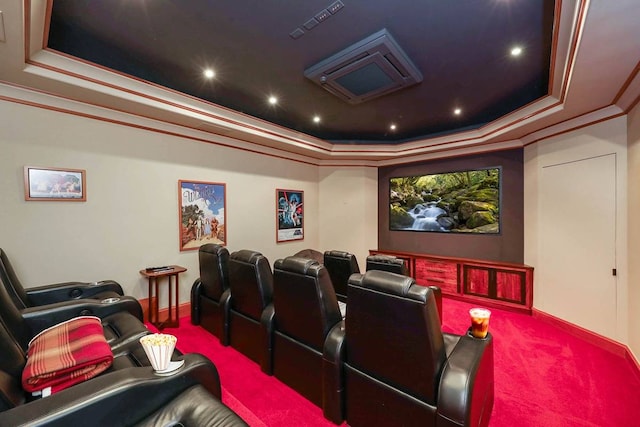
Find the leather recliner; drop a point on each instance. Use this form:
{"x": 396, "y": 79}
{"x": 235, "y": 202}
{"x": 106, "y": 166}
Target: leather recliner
{"x": 251, "y": 315}
{"x": 121, "y": 321}
{"x": 118, "y": 397}
{"x": 54, "y": 293}
{"x": 396, "y": 265}
{"x": 210, "y": 292}
{"x": 308, "y": 333}
{"x": 341, "y": 265}
{"x": 401, "y": 369}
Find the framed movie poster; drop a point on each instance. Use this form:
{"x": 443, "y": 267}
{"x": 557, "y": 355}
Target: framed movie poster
{"x": 202, "y": 214}
{"x": 55, "y": 184}
{"x": 289, "y": 215}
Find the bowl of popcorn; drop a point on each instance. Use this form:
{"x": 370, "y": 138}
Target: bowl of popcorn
{"x": 159, "y": 349}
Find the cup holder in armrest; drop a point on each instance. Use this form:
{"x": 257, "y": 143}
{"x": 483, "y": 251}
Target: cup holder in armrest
{"x": 110, "y": 300}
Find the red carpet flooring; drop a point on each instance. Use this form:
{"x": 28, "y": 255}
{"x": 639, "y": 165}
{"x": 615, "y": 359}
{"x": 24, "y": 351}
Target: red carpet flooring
{"x": 543, "y": 377}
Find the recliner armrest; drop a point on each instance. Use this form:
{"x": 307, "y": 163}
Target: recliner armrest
{"x": 225, "y": 306}
{"x": 437, "y": 292}
{"x": 59, "y": 292}
{"x": 44, "y": 316}
{"x": 196, "y": 290}
{"x": 333, "y": 373}
{"x": 120, "y": 397}
{"x": 266, "y": 322}
{"x": 466, "y": 389}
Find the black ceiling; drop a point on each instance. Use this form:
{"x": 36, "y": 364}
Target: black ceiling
{"x": 461, "y": 48}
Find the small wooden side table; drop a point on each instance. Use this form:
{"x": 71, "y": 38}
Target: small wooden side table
{"x": 171, "y": 273}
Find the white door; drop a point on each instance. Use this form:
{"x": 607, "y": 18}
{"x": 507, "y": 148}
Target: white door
{"x": 577, "y": 242}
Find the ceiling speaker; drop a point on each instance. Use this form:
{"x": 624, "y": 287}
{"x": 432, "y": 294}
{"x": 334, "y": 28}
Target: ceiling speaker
{"x": 368, "y": 69}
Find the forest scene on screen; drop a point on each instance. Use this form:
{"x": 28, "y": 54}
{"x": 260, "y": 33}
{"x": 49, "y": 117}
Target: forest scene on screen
{"x": 457, "y": 202}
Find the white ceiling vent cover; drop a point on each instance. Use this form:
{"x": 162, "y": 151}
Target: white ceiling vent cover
{"x": 368, "y": 69}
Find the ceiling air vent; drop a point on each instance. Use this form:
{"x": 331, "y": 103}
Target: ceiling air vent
{"x": 368, "y": 69}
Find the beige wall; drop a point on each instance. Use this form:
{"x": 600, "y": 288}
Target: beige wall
{"x": 633, "y": 126}
{"x": 607, "y": 138}
{"x": 349, "y": 210}
{"x": 130, "y": 218}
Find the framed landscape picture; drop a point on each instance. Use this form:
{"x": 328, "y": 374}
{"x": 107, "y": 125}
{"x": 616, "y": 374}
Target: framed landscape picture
{"x": 289, "y": 215}
{"x": 54, "y": 184}
{"x": 202, "y": 214}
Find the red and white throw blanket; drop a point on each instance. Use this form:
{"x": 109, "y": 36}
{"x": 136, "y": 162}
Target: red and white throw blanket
{"x": 66, "y": 354}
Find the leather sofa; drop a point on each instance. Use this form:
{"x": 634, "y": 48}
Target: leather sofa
{"x": 341, "y": 265}
{"x": 128, "y": 393}
{"x": 210, "y": 292}
{"x": 401, "y": 369}
{"x": 190, "y": 397}
{"x": 250, "y": 310}
{"x": 308, "y": 333}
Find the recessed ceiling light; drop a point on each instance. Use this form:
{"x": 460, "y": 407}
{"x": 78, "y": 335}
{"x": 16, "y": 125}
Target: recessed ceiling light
{"x": 209, "y": 73}
{"x": 457, "y": 111}
{"x": 516, "y": 51}
{"x": 316, "y": 119}
{"x": 392, "y": 126}
{"x": 273, "y": 100}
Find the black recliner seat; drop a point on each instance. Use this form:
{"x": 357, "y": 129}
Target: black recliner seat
{"x": 121, "y": 322}
{"x": 54, "y": 293}
{"x": 401, "y": 369}
{"x": 308, "y": 333}
{"x": 16, "y": 332}
{"x": 396, "y": 265}
{"x": 251, "y": 315}
{"x": 124, "y": 397}
{"x": 210, "y": 292}
{"x": 341, "y": 265}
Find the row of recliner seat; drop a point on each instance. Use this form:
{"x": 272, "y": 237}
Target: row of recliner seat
{"x": 129, "y": 392}
{"x": 387, "y": 362}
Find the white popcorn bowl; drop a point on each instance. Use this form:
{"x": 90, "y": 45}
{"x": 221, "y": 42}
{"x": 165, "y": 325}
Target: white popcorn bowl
{"x": 159, "y": 349}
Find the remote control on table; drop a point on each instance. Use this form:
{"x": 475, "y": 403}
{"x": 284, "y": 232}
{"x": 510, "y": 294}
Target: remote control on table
{"x": 166, "y": 267}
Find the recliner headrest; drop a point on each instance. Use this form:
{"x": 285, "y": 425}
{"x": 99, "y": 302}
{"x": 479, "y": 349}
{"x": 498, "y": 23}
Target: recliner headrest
{"x": 246, "y": 255}
{"x": 390, "y": 283}
{"x": 297, "y": 265}
{"x": 387, "y": 259}
{"x": 212, "y": 248}
{"x": 337, "y": 254}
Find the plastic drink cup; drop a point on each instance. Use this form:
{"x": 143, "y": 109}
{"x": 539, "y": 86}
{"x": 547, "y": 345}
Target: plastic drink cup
{"x": 479, "y": 322}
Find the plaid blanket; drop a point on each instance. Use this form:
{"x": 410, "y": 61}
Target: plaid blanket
{"x": 66, "y": 354}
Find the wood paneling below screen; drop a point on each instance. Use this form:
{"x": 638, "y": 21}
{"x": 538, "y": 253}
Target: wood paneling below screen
{"x": 505, "y": 285}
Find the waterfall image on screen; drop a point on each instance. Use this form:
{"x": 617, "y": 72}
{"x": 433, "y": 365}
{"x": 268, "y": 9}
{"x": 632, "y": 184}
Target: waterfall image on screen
{"x": 454, "y": 202}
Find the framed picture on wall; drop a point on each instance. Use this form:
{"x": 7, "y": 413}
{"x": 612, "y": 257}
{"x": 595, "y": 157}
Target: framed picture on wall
{"x": 55, "y": 184}
{"x": 289, "y": 215}
{"x": 202, "y": 214}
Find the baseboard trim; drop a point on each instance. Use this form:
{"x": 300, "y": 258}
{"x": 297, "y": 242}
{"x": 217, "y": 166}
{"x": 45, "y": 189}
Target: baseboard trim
{"x": 184, "y": 309}
{"x": 591, "y": 337}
